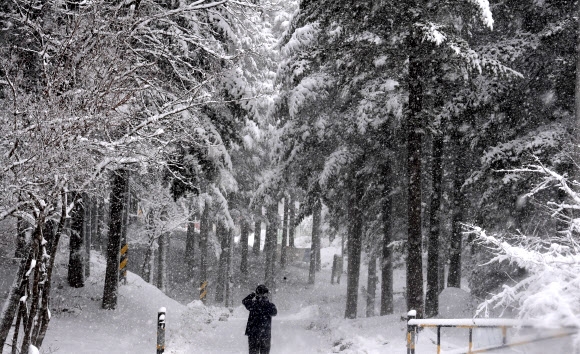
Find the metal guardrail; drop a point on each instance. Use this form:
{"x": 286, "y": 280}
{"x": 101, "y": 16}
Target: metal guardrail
{"x": 470, "y": 323}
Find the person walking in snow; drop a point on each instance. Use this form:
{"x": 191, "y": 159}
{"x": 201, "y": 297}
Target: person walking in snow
{"x": 259, "y": 325}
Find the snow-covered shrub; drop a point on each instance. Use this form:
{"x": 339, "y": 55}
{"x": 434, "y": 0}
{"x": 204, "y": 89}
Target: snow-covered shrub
{"x": 550, "y": 294}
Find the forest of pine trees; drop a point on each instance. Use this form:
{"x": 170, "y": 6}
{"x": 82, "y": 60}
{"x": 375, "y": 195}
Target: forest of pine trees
{"x": 390, "y": 125}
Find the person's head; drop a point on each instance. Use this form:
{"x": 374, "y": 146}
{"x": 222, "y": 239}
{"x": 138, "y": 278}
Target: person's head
{"x": 262, "y": 290}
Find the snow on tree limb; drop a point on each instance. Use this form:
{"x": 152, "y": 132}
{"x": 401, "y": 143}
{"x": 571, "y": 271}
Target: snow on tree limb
{"x": 9, "y": 211}
{"x": 301, "y": 37}
{"x": 333, "y": 163}
{"x": 431, "y": 32}
{"x": 484, "y": 12}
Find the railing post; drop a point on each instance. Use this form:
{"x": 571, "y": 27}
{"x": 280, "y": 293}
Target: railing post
{"x": 161, "y": 330}
{"x": 470, "y": 349}
{"x": 438, "y": 339}
{"x": 503, "y": 335}
{"x": 411, "y": 331}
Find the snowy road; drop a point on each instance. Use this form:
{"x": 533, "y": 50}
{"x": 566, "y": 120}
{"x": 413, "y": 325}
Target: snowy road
{"x": 288, "y": 336}
{"x": 299, "y": 327}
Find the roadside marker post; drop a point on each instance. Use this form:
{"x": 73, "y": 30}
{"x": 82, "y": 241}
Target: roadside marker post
{"x": 203, "y": 291}
{"x": 161, "y": 330}
{"x": 124, "y": 259}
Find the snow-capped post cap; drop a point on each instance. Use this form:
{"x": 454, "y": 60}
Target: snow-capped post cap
{"x": 161, "y": 317}
{"x": 412, "y": 314}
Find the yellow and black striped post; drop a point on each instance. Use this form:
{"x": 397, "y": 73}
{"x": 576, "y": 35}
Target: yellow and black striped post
{"x": 123, "y": 263}
{"x": 161, "y": 330}
{"x": 411, "y": 330}
{"x": 203, "y": 291}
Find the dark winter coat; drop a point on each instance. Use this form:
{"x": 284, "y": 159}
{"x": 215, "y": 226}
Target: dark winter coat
{"x": 260, "y": 319}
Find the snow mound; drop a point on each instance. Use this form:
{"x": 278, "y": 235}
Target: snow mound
{"x": 303, "y": 314}
{"x": 80, "y": 325}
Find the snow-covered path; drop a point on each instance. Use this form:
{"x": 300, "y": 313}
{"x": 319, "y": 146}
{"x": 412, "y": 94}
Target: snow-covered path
{"x": 299, "y": 326}
{"x": 288, "y": 336}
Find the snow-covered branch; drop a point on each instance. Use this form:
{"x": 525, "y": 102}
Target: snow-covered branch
{"x": 550, "y": 294}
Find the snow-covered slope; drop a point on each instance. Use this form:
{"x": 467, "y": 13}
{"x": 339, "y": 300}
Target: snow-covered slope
{"x": 80, "y": 325}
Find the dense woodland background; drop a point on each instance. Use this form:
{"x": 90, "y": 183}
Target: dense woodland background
{"x": 395, "y": 126}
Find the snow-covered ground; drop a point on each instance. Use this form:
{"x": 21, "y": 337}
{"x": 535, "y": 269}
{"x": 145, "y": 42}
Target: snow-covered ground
{"x": 310, "y": 319}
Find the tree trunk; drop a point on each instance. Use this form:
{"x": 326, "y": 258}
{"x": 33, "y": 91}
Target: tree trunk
{"x": 432, "y": 298}
{"x": 124, "y": 226}
{"x": 22, "y": 315}
{"x": 222, "y": 234}
{"x": 577, "y": 99}
{"x": 372, "y": 284}
{"x": 95, "y": 241}
{"x": 133, "y": 207}
{"x": 76, "y": 262}
{"x": 190, "y": 243}
{"x": 387, "y": 262}
{"x": 146, "y": 268}
{"x": 116, "y": 202}
{"x": 49, "y": 233}
{"x": 355, "y": 225}
{"x": 37, "y": 287}
{"x": 204, "y": 227}
{"x": 100, "y": 223}
{"x": 318, "y": 214}
{"x": 149, "y": 260}
{"x": 21, "y": 226}
{"x": 291, "y": 222}
{"x": 244, "y": 234}
{"x": 257, "y": 233}
{"x": 270, "y": 243}
{"x": 414, "y": 137}
{"x": 163, "y": 242}
{"x": 454, "y": 276}
{"x": 52, "y": 246}
{"x": 316, "y": 210}
{"x": 283, "y": 254}
{"x": 441, "y": 272}
{"x": 229, "y": 280}
{"x": 87, "y": 218}
{"x": 12, "y": 300}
